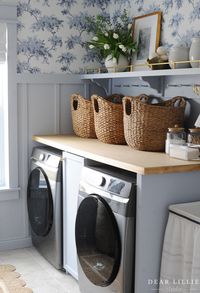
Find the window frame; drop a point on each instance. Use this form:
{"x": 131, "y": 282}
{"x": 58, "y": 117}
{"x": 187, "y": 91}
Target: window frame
{"x": 8, "y": 15}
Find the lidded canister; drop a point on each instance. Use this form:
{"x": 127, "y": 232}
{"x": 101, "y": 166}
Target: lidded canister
{"x": 175, "y": 135}
{"x": 194, "y": 135}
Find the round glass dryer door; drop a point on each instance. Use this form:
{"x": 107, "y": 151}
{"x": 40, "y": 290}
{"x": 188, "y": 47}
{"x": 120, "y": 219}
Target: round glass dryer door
{"x": 98, "y": 241}
{"x": 40, "y": 203}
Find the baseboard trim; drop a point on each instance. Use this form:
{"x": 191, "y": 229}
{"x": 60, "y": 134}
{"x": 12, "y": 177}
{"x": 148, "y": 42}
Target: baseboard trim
{"x": 15, "y": 243}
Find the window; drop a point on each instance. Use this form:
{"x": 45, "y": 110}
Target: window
{"x": 8, "y": 102}
{"x": 3, "y": 107}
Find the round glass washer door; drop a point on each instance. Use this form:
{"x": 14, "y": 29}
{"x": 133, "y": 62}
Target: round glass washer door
{"x": 98, "y": 241}
{"x": 40, "y": 202}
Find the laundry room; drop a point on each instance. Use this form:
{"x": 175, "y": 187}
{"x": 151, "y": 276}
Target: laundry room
{"x": 99, "y": 146}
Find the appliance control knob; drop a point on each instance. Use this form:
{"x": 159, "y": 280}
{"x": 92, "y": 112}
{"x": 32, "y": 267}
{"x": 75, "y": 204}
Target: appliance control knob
{"x": 102, "y": 181}
{"x": 41, "y": 157}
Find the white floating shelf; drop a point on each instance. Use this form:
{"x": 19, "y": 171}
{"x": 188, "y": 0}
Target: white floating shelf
{"x": 149, "y": 73}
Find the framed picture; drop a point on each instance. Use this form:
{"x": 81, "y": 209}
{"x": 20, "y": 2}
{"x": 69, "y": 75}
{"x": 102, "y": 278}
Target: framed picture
{"x": 146, "y": 33}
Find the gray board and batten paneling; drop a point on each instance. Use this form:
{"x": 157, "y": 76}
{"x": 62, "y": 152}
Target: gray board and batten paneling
{"x": 43, "y": 104}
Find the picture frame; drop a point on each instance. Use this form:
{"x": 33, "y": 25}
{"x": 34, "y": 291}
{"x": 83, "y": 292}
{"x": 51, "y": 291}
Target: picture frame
{"x": 146, "y": 33}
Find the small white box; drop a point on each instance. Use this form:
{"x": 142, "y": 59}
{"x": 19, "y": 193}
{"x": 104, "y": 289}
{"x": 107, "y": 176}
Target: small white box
{"x": 184, "y": 152}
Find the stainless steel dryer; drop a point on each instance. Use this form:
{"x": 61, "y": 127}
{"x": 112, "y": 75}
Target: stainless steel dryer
{"x": 44, "y": 200}
{"x": 105, "y": 231}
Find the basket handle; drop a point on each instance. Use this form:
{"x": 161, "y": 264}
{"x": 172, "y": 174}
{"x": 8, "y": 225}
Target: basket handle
{"x": 128, "y": 102}
{"x": 95, "y": 103}
{"x": 75, "y": 101}
{"x": 177, "y": 102}
{"x": 127, "y": 105}
{"x": 99, "y": 102}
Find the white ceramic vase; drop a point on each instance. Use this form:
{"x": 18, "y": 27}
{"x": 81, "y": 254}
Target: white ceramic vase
{"x": 195, "y": 52}
{"x": 119, "y": 66}
{"x": 179, "y": 54}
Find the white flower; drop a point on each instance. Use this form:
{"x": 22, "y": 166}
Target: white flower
{"x": 123, "y": 48}
{"x": 129, "y": 26}
{"x": 106, "y": 34}
{"x": 95, "y": 39}
{"x": 106, "y": 47}
{"x": 115, "y": 36}
{"x": 91, "y": 46}
{"x": 114, "y": 60}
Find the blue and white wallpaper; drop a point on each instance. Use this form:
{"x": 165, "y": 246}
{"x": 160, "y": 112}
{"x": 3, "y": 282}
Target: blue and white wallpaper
{"x": 51, "y": 33}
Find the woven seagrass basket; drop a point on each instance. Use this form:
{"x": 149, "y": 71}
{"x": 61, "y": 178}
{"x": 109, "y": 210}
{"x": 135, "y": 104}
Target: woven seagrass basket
{"x": 108, "y": 120}
{"x": 145, "y": 125}
{"x": 82, "y": 116}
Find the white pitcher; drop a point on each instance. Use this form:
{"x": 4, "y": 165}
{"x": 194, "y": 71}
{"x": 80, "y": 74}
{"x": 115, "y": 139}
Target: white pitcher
{"x": 195, "y": 52}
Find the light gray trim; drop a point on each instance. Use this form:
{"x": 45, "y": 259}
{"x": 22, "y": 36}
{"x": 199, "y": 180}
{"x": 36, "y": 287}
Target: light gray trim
{"x": 9, "y": 194}
{"x": 8, "y": 12}
{"x": 12, "y": 106}
{"x": 49, "y": 78}
{"x": 57, "y": 102}
{"x": 15, "y": 243}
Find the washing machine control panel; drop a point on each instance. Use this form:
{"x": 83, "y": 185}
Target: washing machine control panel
{"x": 106, "y": 182}
{"x": 41, "y": 157}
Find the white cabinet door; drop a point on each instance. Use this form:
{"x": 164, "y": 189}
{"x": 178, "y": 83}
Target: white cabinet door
{"x": 72, "y": 166}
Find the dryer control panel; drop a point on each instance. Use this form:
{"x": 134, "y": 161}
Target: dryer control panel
{"x": 108, "y": 180}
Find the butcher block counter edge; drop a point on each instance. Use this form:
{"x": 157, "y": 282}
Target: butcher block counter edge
{"x": 121, "y": 156}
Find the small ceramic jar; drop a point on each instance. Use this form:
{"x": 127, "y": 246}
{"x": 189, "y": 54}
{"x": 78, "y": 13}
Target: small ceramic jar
{"x": 179, "y": 53}
{"x": 194, "y": 53}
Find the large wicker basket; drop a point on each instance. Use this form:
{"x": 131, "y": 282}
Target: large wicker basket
{"x": 145, "y": 125}
{"x": 108, "y": 120}
{"x": 82, "y": 116}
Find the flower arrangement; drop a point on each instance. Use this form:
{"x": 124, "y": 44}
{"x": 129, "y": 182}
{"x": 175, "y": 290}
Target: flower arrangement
{"x": 111, "y": 38}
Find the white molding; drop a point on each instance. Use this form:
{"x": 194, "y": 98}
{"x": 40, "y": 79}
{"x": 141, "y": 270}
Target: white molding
{"x": 15, "y": 243}
{"x": 4, "y": 4}
{"x": 49, "y": 78}
{"x": 12, "y": 106}
{"x": 8, "y": 12}
{"x": 9, "y": 194}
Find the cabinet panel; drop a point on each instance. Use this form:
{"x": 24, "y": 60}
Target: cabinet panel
{"x": 72, "y": 167}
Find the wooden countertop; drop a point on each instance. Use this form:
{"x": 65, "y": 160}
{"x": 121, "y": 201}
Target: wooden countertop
{"x": 121, "y": 156}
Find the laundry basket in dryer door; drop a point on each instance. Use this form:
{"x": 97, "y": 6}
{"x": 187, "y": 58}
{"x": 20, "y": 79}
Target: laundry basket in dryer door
{"x": 40, "y": 204}
{"x": 98, "y": 241}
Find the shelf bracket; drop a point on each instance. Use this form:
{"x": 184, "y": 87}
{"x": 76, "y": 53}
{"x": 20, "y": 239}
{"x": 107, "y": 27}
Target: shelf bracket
{"x": 101, "y": 86}
{"x": 155, "y": 82}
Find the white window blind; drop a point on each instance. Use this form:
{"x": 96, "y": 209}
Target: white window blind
{"x": 3, "y": 107}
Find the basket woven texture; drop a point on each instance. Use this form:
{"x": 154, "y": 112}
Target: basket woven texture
{"x": 82, "y": 116}
{"x": 108, "y": 120}
{"x": 145, "y": 125}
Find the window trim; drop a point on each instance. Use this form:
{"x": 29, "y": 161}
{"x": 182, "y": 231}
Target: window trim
{"x": 8, "y": 15}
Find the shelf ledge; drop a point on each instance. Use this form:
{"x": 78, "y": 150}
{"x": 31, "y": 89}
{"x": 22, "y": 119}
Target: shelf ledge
{"x": 147, "y": 73}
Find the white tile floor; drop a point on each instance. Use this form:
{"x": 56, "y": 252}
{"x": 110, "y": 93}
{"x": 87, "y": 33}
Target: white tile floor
{"x": 38, "y": 274}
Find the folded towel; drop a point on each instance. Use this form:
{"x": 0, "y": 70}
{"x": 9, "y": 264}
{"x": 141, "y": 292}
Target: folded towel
{"x": 180, "y": 266}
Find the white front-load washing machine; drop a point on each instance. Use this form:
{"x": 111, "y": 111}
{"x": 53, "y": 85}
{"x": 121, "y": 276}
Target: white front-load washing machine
{"x": 44, "y": 201}
{"x": 105, "y": 230}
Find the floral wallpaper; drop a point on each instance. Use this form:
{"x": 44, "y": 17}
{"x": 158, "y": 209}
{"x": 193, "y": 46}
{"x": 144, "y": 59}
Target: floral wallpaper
{"x": 51, "y": 33}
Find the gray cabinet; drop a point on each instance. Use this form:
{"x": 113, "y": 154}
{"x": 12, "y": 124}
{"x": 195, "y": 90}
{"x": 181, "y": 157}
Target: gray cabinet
{"x": 72, "y": 166}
